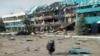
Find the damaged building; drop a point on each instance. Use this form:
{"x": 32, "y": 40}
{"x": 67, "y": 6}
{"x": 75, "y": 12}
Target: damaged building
{"x": 57, "y": 16}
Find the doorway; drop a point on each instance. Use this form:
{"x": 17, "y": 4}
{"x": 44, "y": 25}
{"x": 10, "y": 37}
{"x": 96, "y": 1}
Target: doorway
{"x": 98, "y": 28}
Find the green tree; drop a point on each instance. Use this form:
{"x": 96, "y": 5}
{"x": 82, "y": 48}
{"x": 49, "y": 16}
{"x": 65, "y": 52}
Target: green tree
{"x": 2, "y": 26}
{"x": 28, "y": 27}
{"x": 81, "y": 27}
{"x": 27, "y": 24}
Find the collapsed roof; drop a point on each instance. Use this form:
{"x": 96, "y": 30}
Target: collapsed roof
{"x": 62, "y": 5}
{"x": 35, "y": 9}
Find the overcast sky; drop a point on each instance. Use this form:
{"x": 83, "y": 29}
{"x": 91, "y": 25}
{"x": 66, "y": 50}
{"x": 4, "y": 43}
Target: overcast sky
{"x": 9, "y": 6}
{"x": 13, "y": 6}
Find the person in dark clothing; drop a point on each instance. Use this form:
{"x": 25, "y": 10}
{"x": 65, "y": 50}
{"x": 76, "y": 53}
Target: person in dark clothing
{"x": 50, "y": 46}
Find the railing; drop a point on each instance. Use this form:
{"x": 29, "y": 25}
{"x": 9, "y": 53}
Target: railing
{"x": 43, "y": 17}
{"x": 86, "y": 10}
{"x": 58, "y": 16}
{"x": 14, "y": 26}
{"x": 49, "y": 24}
{"x": 69, "y": 15}
{"x": 12, "y": 21}
{"x": 55, "y": 16}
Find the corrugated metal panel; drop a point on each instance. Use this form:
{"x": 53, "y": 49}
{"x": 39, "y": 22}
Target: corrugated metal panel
{"x": 87, "y": 10}
{"x": 91, "y": 20}
{"x": 35, "y": 9}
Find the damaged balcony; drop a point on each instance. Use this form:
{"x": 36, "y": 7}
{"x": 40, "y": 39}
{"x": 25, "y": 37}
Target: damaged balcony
{"x": 43, "y": 18}
{"x": 49, "y": 24}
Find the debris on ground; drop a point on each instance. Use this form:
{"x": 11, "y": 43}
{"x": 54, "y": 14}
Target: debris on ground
{"x": 27, "y": 49}
{"x": 29, "y": 40}
{"x": 39, "y": 36}
{"x": 11, "y": 38}
{"x": 5, "y": 53}
{"x": 60, "y": 39}
{"x": 77, "y": 43}
{"x": 37, "y": 49}
{"x": 79, "y": 51}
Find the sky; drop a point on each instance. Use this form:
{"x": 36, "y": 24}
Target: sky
{"x": 15, "y": 6}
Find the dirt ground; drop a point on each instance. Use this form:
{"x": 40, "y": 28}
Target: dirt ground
{"x": 36, "y": 46}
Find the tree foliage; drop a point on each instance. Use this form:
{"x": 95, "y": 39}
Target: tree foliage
{"x": 2, "y": 26}
{"x": 26, "y": 21}
{"x": 81, "y": 27}
{"x": 29, "y": 28}
{"x": 27, "y": 24}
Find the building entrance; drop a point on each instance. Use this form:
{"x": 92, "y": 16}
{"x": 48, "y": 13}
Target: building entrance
{"x": 98, "y": 28}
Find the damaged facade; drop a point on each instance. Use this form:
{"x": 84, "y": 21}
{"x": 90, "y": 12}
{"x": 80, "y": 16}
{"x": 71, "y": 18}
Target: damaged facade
{"x": 58, "y": 16}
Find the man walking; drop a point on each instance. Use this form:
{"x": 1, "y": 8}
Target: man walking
{"x": 51, "y": 46}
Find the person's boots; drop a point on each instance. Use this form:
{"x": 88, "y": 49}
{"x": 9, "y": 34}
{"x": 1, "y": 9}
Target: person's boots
{"x": 50, "y": 52}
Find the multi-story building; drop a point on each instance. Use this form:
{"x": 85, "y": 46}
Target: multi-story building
{"x": 91, "y": 12}
{"x": 13, "y": 21}
{"x": 57, "y": 16}
{"x": 51, "y": 17}
{"x": 54, "y": 17}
